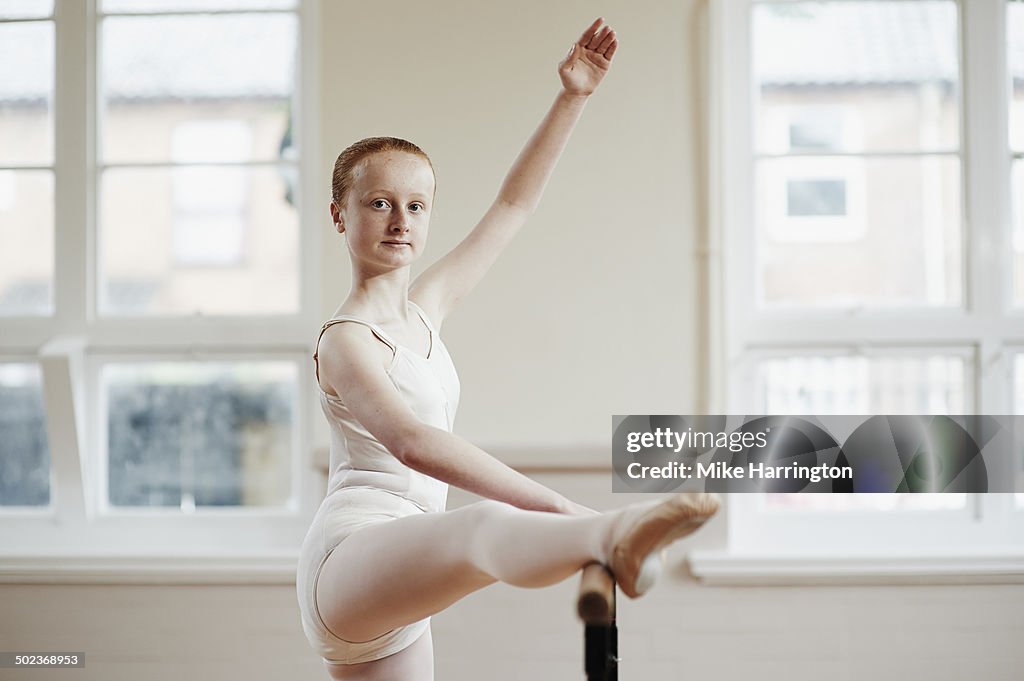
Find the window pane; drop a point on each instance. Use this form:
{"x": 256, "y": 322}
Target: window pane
{"x": 214, "y": 240}
{"x": 24, "y": 448}
{"x": 816, "y": 197}
{"x": 1018, "y": 408}
{"x": 935, "y": 384}
{"x": 1017, "y": 191}
{"x": 26, "y": 93}
{"x": 160, "y": 73}
{"x": 841, "y": 231}
{"x": 26, "y": 243}
{"x": 1015, "y": 48}
{"x": 190, "y": 434}
{"x": 149, "y": 6}
{"x": 912, "y": 384}
{"x": 25, "y": 9}
{"x": 877, "y": 75}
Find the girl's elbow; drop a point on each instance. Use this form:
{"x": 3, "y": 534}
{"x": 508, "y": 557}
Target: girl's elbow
{"x": 406, "y": 446}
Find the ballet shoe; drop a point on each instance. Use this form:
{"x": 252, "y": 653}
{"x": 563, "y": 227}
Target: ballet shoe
{"x": 637, "y": 557}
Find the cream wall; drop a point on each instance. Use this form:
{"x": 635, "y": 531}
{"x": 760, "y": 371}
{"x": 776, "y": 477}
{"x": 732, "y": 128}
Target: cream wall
{"x": 595, "y": 306}
{"x": 592, "y": 310}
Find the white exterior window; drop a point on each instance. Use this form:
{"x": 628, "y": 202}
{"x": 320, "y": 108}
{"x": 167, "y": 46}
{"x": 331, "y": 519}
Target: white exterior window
{"x": 167, "y": 406}
{"x": 862, "y": 204}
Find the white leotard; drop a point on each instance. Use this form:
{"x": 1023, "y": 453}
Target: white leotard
{"x": 367, "y": 484}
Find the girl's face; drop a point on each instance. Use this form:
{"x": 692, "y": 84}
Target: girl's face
{"x": 387, "y": 209}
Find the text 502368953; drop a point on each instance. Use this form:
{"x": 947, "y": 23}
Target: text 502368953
{"x": 41, "y": 660}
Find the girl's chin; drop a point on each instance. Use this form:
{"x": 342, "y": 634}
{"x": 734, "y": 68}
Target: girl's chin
{"x": 397, "y": 257}
{"x": 394, "y": 262}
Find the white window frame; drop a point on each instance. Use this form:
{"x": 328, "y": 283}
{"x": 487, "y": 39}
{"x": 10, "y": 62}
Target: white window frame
{"x": 73, "y": 344}
{"x": 986, "y": 538}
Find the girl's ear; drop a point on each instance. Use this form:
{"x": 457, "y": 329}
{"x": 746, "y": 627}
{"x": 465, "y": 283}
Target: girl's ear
{"x": 339, "y": 221}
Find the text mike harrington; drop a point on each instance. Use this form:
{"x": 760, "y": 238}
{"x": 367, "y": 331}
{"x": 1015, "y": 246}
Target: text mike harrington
{"x": 664, "y": 438}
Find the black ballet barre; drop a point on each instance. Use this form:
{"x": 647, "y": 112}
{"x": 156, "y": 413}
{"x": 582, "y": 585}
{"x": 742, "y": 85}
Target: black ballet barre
{"x": 596, "y": 607}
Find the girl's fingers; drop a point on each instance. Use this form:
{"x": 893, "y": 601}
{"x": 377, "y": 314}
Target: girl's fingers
{"x": 591, "y": 30}
{"x": 596, "y": 40}
{"x": 606, "y": 43}
{"x": 611, "y": 49}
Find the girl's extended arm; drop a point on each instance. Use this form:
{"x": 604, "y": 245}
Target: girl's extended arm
{"x": 448, "y": 280}
{"x": 350, "y": 364}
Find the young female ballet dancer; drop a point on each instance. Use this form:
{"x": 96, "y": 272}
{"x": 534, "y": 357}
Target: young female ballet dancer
{"x": 382, "y": 554}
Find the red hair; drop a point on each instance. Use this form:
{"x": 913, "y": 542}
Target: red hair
{"x": 344, "y": 167}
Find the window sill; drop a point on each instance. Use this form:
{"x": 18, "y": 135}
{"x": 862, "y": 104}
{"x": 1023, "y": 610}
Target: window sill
{"x": 721, "y": 568}
{"x": 262, "y": 569}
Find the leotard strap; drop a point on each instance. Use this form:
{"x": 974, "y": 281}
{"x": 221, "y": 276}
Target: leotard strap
{"x": 377, "y": 331}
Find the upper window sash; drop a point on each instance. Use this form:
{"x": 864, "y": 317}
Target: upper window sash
{"x": 78, "y": 177}
{"x": 985, "y": 320}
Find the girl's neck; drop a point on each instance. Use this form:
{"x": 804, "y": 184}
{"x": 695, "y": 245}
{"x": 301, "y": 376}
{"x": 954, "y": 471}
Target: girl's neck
{"x": 383, "y": 298}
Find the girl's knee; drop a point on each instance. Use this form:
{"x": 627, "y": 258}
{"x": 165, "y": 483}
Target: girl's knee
{"x": 490, "y": 508}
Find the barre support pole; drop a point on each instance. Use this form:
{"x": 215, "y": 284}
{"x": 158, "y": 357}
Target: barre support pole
{"x": 596, "y": 607}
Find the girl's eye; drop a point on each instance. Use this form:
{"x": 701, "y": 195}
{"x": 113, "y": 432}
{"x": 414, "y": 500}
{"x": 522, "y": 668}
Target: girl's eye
{"x": 416, "y": 207}
{"x": 380, "y": 203}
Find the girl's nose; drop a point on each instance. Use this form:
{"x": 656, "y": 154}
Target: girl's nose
{"x": 400, "y": 222}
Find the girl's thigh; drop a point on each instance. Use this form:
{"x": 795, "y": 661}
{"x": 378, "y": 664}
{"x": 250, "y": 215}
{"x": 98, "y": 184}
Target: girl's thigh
{"x": 414, "y": 663}
{"x": 394, "y": 573}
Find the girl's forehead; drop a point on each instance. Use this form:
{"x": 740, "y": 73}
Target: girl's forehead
{"x": 396, "y": 169}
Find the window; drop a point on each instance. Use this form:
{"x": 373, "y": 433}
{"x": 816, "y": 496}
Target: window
{"x": 194, "y": 109}
{"x": 24, "y": 451}
{"x": 832, "y": 109}
{"x": 816, "y": 197}
{"x": 866, "y": 202}
{"x": 154, "y": 341}
{"x": 229, "y": 444}
{"x": 814, "y": 192}
{"x": 209, "y": 203}
{"x": 26, "y": 158}
{"x": 1015, "y": 59}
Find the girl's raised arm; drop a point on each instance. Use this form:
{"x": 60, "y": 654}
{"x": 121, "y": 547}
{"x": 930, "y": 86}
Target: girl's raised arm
{"x": 448, "y": 280}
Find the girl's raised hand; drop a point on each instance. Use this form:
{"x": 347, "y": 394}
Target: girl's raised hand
{"x": 589, "y": 59}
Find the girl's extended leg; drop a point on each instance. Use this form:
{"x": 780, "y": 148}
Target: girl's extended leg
{"x": 395, "y": 573}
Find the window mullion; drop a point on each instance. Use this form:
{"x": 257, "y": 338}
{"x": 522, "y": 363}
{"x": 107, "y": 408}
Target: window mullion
{"x": 73, "y": 135}
{"x": 61, "y": 364}
{"x": 312, "y": 196}
{"x": 986, "y": 181}
{"x": 71, "y": 216}
{"x": 735, "y": 219}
